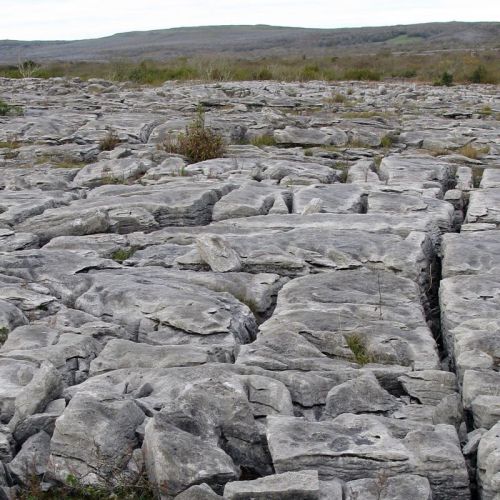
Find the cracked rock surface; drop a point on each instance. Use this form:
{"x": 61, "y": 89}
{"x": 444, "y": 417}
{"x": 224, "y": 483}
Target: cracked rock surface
{"x": 316, "y": 318}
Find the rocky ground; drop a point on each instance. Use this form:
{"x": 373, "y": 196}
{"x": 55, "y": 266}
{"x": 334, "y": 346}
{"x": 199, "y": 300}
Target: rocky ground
{"x": 317, "y": 318}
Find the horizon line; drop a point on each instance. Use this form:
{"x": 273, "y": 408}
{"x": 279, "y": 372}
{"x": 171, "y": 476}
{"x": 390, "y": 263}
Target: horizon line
{"x": 242, "y": 26}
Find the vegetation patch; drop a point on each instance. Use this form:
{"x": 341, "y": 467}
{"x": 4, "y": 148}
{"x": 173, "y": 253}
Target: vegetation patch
{"x": 387, "y": 141}
{"x": 109, "y": 141}
{"x": 343, "y": 166}
{"x": 264, "y": 140}
{"x": 405, "y": 39}
{"x": 358, "y": 347}
{"x": 473, "y": 152}
{"x": 75, "y": 490}
{"x": 198, "y": 142}
{"x": 10, "y": 144}
{"x": 466, "y": 66}
{"x": 361, "y": 74}
{"x": 60, "y": 162}
{"x": 4, "y": 333}
{"x": 445, "y": 80}
{"x": 9, "y": 110}
{"x": 122, "y": 254}
{"x": 486, "y": 111}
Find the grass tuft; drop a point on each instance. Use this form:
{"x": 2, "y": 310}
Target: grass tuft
{"x": 358, "y": 347}
{"x": 473, "y": 153}
{"x": 109, "y": 141}
{"x": 122, "y": 254}
{"x": 264, "y": 140}
{"x": 9, "y": 110}
{"x": 4, "y": 333}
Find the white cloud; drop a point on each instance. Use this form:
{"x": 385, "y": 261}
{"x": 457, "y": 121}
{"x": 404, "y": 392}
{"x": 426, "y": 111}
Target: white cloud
{"x": 71, "y": 19}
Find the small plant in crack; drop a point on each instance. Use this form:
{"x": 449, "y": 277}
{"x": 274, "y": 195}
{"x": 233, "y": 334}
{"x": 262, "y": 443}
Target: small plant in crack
{"x": 4, "y": 333}
{"x": 109, "y": 141}
{"x": 122, "y": 254}
{"x": 357, "y": 345}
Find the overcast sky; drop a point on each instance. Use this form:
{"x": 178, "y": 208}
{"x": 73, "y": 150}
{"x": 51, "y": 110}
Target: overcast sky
{"x": 74, "y": 19}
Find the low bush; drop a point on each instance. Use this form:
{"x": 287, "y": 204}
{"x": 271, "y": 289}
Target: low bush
{"x": 480, "y": 75}
{"x": 445, "y": 80}
{"x": 198, "y": 142}
{"x": 109, "y": 141}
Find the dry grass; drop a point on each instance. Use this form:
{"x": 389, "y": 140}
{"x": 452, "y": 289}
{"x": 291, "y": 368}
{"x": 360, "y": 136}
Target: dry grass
{"x": 109, "y": 141}
{"x": 473, "y": 152}
{"x": 464, "y": 66}
{"x": 263, "y": 140}
{"x": 10, "y": 144}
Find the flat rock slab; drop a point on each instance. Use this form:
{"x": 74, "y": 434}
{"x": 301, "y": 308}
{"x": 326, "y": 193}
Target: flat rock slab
{"x": 293, "y": 172}
{"x": 335, "y": 198}
{"x": 374, "y": 295}
{"x": 94, "y": 439}
{"x": 17, "y": 206}
{"x": 403, "y": 203}
{"x": 246, "y": 201}
{"x": 302, "y": 250}
{"x": 164, "y": 310}
{"x": 465, "y": 298}
{"x": 108, "y": 171}
{"x": 353, "y": 446}
{"x": 484, "y": 206}
{"x": 471, "y": 253}
{"x": 390, "y": 488}
{"x": 344, "y": 316}
{"x": 15, "y": 374}
{"x": 287, "y": 486}
{"x": 490, "y": 178}
{"x": 124, "y": 209}
{"x": 420, "y": 172}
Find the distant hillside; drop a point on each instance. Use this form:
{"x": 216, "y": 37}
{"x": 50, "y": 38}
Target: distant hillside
{"x": 256, "y": 41}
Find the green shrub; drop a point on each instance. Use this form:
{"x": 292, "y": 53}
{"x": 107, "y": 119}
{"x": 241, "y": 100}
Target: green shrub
{"x": 198, "y": 142}
{"x": 479, "y": 75}
{"x": 122, "y": 254}
{"x": 386, "y": 141}
{"x": 445, "y": 80}
{"x": 4, "y": 333}
{"x": 358, "y": 347}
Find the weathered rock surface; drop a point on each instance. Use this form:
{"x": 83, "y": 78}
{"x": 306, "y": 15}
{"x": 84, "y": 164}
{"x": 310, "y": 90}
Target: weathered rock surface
{"x": 312, "y": 318}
